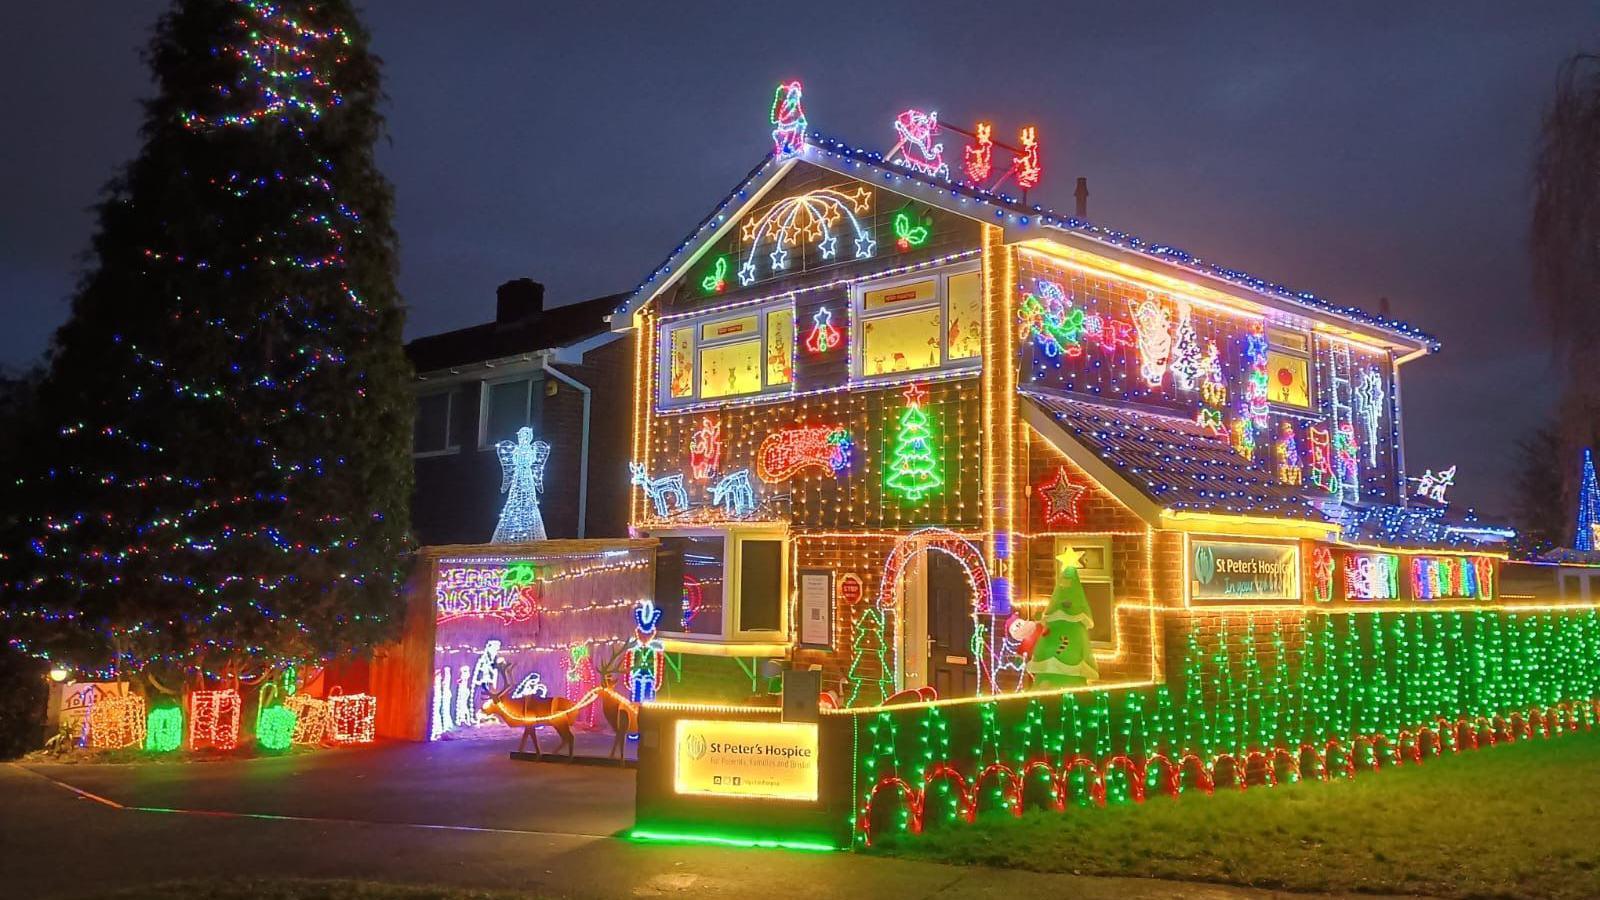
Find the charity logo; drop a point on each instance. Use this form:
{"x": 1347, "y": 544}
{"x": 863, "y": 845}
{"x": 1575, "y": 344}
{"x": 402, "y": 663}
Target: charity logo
{"x": 1205, "y": 564}
{"x": 695, "y": 745}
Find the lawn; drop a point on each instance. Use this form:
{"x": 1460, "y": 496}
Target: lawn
{"x": 1515, "y": 820}
{"x": 298, "y": 889}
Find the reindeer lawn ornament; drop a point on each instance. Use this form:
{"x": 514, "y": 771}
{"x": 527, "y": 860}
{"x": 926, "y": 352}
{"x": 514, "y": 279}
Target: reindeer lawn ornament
{"x": 559, "y": 713}
{"x": 665, "y": 493}
{"x": 734, "y": 494}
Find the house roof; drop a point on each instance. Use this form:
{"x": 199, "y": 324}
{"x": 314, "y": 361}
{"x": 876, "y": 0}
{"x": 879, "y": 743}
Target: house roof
{"x": 1021, "y": 222}
{"x": 549, "y": 329}
{"x": 1169, "y": 459}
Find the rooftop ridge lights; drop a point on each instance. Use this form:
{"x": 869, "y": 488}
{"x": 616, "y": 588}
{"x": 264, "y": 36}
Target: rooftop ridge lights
{"x": 1008, "y": 211}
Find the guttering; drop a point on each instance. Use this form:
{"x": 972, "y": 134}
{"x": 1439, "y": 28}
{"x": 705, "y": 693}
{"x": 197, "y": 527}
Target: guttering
{"x": 583, "y": 450}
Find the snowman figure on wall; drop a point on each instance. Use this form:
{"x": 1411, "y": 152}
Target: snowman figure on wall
{"x": 522, "y": 480}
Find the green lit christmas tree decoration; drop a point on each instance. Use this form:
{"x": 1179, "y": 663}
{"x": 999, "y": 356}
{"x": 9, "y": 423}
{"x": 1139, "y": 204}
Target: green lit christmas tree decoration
{"x": 1063, "y": 656}
{"x": 868, "y": 639}
{"x": 913, "y": 471}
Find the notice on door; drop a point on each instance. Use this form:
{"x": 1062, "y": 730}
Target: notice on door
{"x": 769, "y": 760}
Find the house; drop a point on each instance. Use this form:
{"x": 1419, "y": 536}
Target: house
{"x": 557, "y": 370}
{"x": 896, "y": 426}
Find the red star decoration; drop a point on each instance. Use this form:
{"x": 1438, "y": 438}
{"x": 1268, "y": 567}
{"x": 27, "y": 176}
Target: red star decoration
{"x": 915, "y": 394}
{"x": 1060, "y": 498}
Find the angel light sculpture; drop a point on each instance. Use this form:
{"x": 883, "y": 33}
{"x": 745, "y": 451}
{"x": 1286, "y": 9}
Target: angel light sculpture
{"x": 522, "y": 480}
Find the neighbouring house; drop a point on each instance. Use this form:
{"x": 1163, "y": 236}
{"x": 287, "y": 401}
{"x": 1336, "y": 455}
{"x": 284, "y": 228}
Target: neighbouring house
{"x": 558, "y": 370}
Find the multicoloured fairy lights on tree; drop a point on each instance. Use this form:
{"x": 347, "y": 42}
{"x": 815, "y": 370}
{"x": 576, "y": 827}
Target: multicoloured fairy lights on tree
{"x": 788, "y": 119}
{"x": 225, "y": 477}
{"x": 913, "y": 470}
{"x": 1588, "y": 530}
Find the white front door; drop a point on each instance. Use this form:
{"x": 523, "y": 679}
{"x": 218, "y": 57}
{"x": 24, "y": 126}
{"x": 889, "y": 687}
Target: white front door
{"x": 911, "y": 625}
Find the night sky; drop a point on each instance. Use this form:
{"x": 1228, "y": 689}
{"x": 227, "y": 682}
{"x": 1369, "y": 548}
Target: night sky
{"x": 1352, "y": 150}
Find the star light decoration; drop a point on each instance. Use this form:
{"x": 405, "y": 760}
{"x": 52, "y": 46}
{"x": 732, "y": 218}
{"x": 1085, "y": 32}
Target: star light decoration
{"x": 1060, "y": 497}
{"x": 809, "y": 217}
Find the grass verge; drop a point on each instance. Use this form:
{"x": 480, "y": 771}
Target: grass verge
{"x": 1515, "y": 820}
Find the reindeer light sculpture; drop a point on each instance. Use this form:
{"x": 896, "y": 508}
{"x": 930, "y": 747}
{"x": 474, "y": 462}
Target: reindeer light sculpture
{"x": 665, "y": 493}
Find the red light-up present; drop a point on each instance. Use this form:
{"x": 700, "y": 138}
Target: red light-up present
{"x": 353, "y": 718}
{"x": 214, "y": 719}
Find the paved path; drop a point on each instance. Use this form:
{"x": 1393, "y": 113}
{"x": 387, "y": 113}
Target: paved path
{"x": 458, "y": 815}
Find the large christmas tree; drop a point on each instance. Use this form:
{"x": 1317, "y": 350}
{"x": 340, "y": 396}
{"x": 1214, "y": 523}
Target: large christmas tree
{"x": 225, "y": 472}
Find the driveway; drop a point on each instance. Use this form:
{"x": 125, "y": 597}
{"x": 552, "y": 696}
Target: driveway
{"x": 449, "y": 813}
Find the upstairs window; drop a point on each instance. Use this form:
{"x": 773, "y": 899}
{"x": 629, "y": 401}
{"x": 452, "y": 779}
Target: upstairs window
{"x": 507, "y": 406}
{"x": 1289, "y": 366}
{"x": 919, "y": 324}
{"x": 738, "y": 355}
{"x": 433, "y": 431}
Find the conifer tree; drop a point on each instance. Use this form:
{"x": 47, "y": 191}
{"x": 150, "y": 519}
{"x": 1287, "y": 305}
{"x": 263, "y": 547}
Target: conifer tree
{"x": 226, "y": 474}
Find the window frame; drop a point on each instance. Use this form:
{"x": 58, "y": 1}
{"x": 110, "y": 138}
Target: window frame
{"x": 695, "y": 325}
{"x": 451, "y": 445}
{"x": 1105, "y": 576}
{"x": 733, "y": 634}
{"x": 1306, "y": 356}
{"x": 859, "y": 318}
{"x": 484, "y": 390}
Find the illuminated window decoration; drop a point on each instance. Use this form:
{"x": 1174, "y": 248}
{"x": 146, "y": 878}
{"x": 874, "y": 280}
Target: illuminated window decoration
{"x": 910, "y": 229}
{"x": 705, "y": 449}
{"x": 1188, "y": 361}
{"x": 785, "y": 454}
{"x": 1267, "y": 701}
{"x": 788, "y": 120}
{"x": 1255, "y": 385}
{"x": 164, "y": 729}
{"x": 531, "y": 685}
{"x": 1372, "y": 576}
{"x": 977, "y": 159}
{"x": 1452, "y": 578}
{"x": 916, "y": 148}
{"x": 509, "y": 594}
{"x": 522, "y": 480}
{"x": 824, "y": 335}
{"x": 1583, "y": 538}
{"x": 117, "y": 722}
{"x": 353, "y": 718}
{"x": 667, "y": 493}
{"x": 734, "y": 493}
{"x": 716, "y": 280}
{"x": 214, "y": 719}
{"x": 1062, "y": 656}
{"x": 1321, "y": 468}
{"x": 694, "y": 597}
{"x": 913, "y": 472}
{"x": 1154, "y": 327}
{"x": 812, "y": 216}
{"x": 1051, "y": 321}
{"x": 645, "y": 654}
{"x": 1288, "y": 451}
{"x": 1059, "y": 496}
{"x": 310, "y": 719}
{"x": 1025, "y": 168}
{"x": 1433, "y": 485}
{"x": 1322, "y": 570}
{"x": 1244, "y": 438}
{"x": 1347, "y": 462}
{"x": 1213, "y": 393}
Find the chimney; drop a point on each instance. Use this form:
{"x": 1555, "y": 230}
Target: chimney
{"x": 1081, "y": 192}
{"x": 520, "y": 298}
{"x": 1383, "y": 307}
